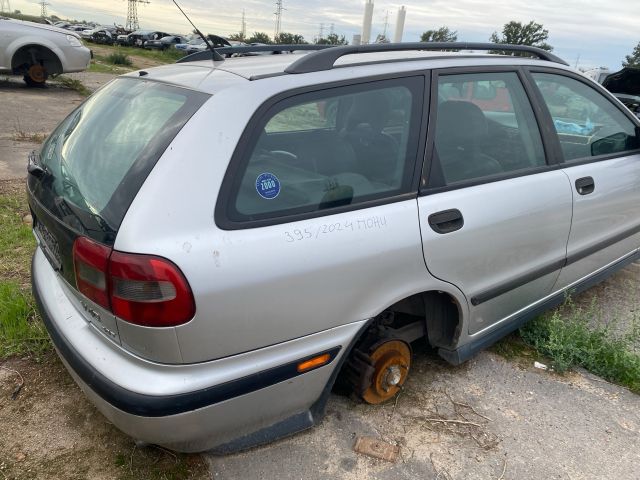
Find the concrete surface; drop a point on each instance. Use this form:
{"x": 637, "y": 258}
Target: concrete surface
{"x": 538, "y": 425}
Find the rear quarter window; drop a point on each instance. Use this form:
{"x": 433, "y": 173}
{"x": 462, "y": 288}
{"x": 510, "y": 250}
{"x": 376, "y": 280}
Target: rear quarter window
{"x": 333, "y": 148}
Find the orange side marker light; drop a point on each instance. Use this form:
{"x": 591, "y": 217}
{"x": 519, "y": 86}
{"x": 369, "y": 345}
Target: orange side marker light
{"x": 314, "y": 362}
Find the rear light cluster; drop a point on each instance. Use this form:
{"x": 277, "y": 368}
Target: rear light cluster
{"x": 141, "y": 289}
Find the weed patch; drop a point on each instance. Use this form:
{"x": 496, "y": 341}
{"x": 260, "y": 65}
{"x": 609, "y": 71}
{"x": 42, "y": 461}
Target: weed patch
{"x": 21, "y": 330}
{"x": 118, "y": 58}
{"x": 73, "y": 84}
{"x": 569, "y": 337}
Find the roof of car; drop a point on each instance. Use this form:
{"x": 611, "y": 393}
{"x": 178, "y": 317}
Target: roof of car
{"x": 194, "y": 74}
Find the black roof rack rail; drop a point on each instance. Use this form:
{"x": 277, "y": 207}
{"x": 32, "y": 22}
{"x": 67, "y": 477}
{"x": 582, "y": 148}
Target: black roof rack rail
{"x": 325, "y": 59}
{"x": 207, "y": 55}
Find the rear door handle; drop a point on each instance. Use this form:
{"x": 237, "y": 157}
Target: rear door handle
{"x": 446, "y": 221}
{"x": 585, "y": 185}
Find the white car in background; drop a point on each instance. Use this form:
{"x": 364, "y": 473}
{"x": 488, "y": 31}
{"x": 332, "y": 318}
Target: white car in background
{"x": 37, "y": 51}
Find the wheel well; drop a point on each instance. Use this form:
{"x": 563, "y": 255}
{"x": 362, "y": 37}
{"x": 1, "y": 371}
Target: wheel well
{"x": 435, "y": 314}
{"x": 24, "y": 56}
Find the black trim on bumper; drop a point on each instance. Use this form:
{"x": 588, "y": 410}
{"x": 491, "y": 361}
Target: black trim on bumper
{"x": 160, "y": 406}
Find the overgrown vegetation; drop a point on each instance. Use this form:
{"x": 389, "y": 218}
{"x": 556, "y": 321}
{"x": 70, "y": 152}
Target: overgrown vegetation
{"x": 73, "y": 84}
{"x": 570, "y": 337}
{"x": 119, "y": 58}
{"x": 157, "y": 463}
{"x": 21, "y": 330}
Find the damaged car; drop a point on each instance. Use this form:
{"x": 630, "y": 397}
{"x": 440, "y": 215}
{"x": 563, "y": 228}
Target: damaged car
{"x": 37, "y": 51}
{"x": 625, "y": 85}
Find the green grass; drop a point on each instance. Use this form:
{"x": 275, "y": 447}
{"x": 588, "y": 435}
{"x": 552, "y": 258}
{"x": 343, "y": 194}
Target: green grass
{"x": 119, "y": 58}
{"x": 73, "y": 84}
{"x": 569, "y": 337}
{"x": 161, "y": 56}
{"x": 155, "y": 463}
{"x": 21, "y": 330}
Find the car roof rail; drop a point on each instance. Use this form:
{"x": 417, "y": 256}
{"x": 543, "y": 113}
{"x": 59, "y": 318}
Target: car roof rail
{"x": 207, "y": 55}
{"x": 326, "y": 59}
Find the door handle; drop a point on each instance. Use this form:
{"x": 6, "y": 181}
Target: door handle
{"x": 585, "y": 185}
{"x": 446, "y": 221}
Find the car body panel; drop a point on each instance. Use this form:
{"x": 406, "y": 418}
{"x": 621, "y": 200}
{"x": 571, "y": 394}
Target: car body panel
{"x": 15, "y": 34}
{"x": 500, "y": 241}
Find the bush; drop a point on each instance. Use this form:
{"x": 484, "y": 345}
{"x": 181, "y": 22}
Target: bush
{"x": 117, "y": 58}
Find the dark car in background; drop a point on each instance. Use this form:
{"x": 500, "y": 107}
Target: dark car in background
{"x": 165, "y": 42}
{"x": 140, "y": 37}
{"x": 625, "y": 85}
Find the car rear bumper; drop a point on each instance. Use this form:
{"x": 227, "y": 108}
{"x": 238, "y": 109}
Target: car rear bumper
{"x": 225, "y": 405}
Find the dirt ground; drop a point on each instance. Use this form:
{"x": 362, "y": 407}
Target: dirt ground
{"x": 491, "y": 418}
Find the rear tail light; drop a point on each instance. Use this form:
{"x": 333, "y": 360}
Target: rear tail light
{"x": 149, "y": 290}
{"x": 140, "y": 289}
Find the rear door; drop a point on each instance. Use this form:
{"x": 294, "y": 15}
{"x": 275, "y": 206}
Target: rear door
{"x": 495, "y": 215}
{"x": 598, "y": 140}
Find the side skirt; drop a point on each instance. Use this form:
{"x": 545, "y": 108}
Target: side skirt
{"x": 463, "y": 353}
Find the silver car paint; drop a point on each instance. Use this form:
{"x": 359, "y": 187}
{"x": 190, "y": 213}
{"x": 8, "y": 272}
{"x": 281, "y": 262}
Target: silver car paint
{"x": 15, "y": 34}
{"x": 511, "y": 227}
{"x": 336, "y": 280}
{"x": 612, "y": 208}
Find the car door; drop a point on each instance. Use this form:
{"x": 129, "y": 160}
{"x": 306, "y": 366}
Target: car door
{"x": 495, "y": 215}
{"x": 598, "y": 139}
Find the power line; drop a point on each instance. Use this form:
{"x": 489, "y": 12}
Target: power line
{"x": 132, "y": 14}
{"x": 278, "y": 15}
{"x": 5, "y": 6}
{"x": 43, "y": 8}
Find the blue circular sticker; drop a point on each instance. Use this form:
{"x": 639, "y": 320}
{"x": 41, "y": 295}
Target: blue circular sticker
{"x": 268, "y": 185}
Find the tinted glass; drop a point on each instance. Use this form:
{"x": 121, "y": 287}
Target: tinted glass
{"x": 332, "y": 148}
{"x": 98, "y": 157}
{"x": 485, "y": 126}
{"x": 588, "y": 124}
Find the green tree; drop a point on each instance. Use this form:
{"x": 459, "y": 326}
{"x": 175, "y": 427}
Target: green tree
{"x": 333, "y": 39}
{"x": 443, "y": 34}
{"x": 237, "y": 37}
{"x": 633, "y": 60}
{"x": 285, "y": 38}
{"x": 515, "y": 33}
{"x": 259, "y": 37}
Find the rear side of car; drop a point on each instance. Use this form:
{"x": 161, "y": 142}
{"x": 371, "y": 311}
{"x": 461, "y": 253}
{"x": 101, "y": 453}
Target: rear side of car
{"x": 206, "y": 280}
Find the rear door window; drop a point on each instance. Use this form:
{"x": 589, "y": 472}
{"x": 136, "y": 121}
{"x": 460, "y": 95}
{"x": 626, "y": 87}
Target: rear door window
{"x": 332, "y": 148}
{"x": 485, "y": 126}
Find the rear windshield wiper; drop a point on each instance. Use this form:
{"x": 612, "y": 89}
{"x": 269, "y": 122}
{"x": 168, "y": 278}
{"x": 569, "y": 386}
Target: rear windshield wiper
{"x": 34, "y": 167}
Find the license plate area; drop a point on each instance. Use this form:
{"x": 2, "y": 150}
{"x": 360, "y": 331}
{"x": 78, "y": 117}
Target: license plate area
{"x": 48, "y": 243}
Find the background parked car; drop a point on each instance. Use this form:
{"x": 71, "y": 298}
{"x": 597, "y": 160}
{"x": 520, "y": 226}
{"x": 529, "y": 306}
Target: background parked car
{"x": 625, "y": 85}
{"x": 37, "y": 50}
{"x": 165, "y": 42}
{"x": 216, "y": 40}
{"x": 192, "y": 42}
{"x": 140, "y": 37}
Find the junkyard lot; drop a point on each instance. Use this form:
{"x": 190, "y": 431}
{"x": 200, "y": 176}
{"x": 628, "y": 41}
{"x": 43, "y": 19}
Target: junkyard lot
{"x": 489, "y": 418}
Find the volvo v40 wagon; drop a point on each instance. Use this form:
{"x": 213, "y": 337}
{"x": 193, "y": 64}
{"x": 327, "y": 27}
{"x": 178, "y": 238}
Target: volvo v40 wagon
{"x": 221, "y": 241}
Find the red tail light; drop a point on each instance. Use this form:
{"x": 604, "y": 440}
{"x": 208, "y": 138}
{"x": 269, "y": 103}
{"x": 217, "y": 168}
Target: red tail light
{"x": 91, "y": 263}
{"x": 141, "y": 289}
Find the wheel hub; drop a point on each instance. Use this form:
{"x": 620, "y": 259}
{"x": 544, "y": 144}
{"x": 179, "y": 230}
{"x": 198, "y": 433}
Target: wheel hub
{"x": 391, "y": 361}
{"x": 37, "y": 73}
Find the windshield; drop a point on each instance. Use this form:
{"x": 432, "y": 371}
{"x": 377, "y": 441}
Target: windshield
{"x": 100, "y": 155}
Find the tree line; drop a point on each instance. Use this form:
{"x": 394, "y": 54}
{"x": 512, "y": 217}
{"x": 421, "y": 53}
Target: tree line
{"x": 515, "y": 33}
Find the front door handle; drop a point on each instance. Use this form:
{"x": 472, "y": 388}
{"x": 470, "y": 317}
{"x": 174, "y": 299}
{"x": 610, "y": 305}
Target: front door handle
{"x": 585, "y": 185}
{"x": 446, "y": 221}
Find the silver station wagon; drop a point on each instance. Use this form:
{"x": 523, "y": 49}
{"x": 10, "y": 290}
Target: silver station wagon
{"x": 221, "y": 241}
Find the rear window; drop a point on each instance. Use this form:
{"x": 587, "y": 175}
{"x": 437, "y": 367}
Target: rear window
{"x": 100, "y": 155}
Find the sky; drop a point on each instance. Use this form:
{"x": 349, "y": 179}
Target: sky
{"x": 586, "y": 33}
